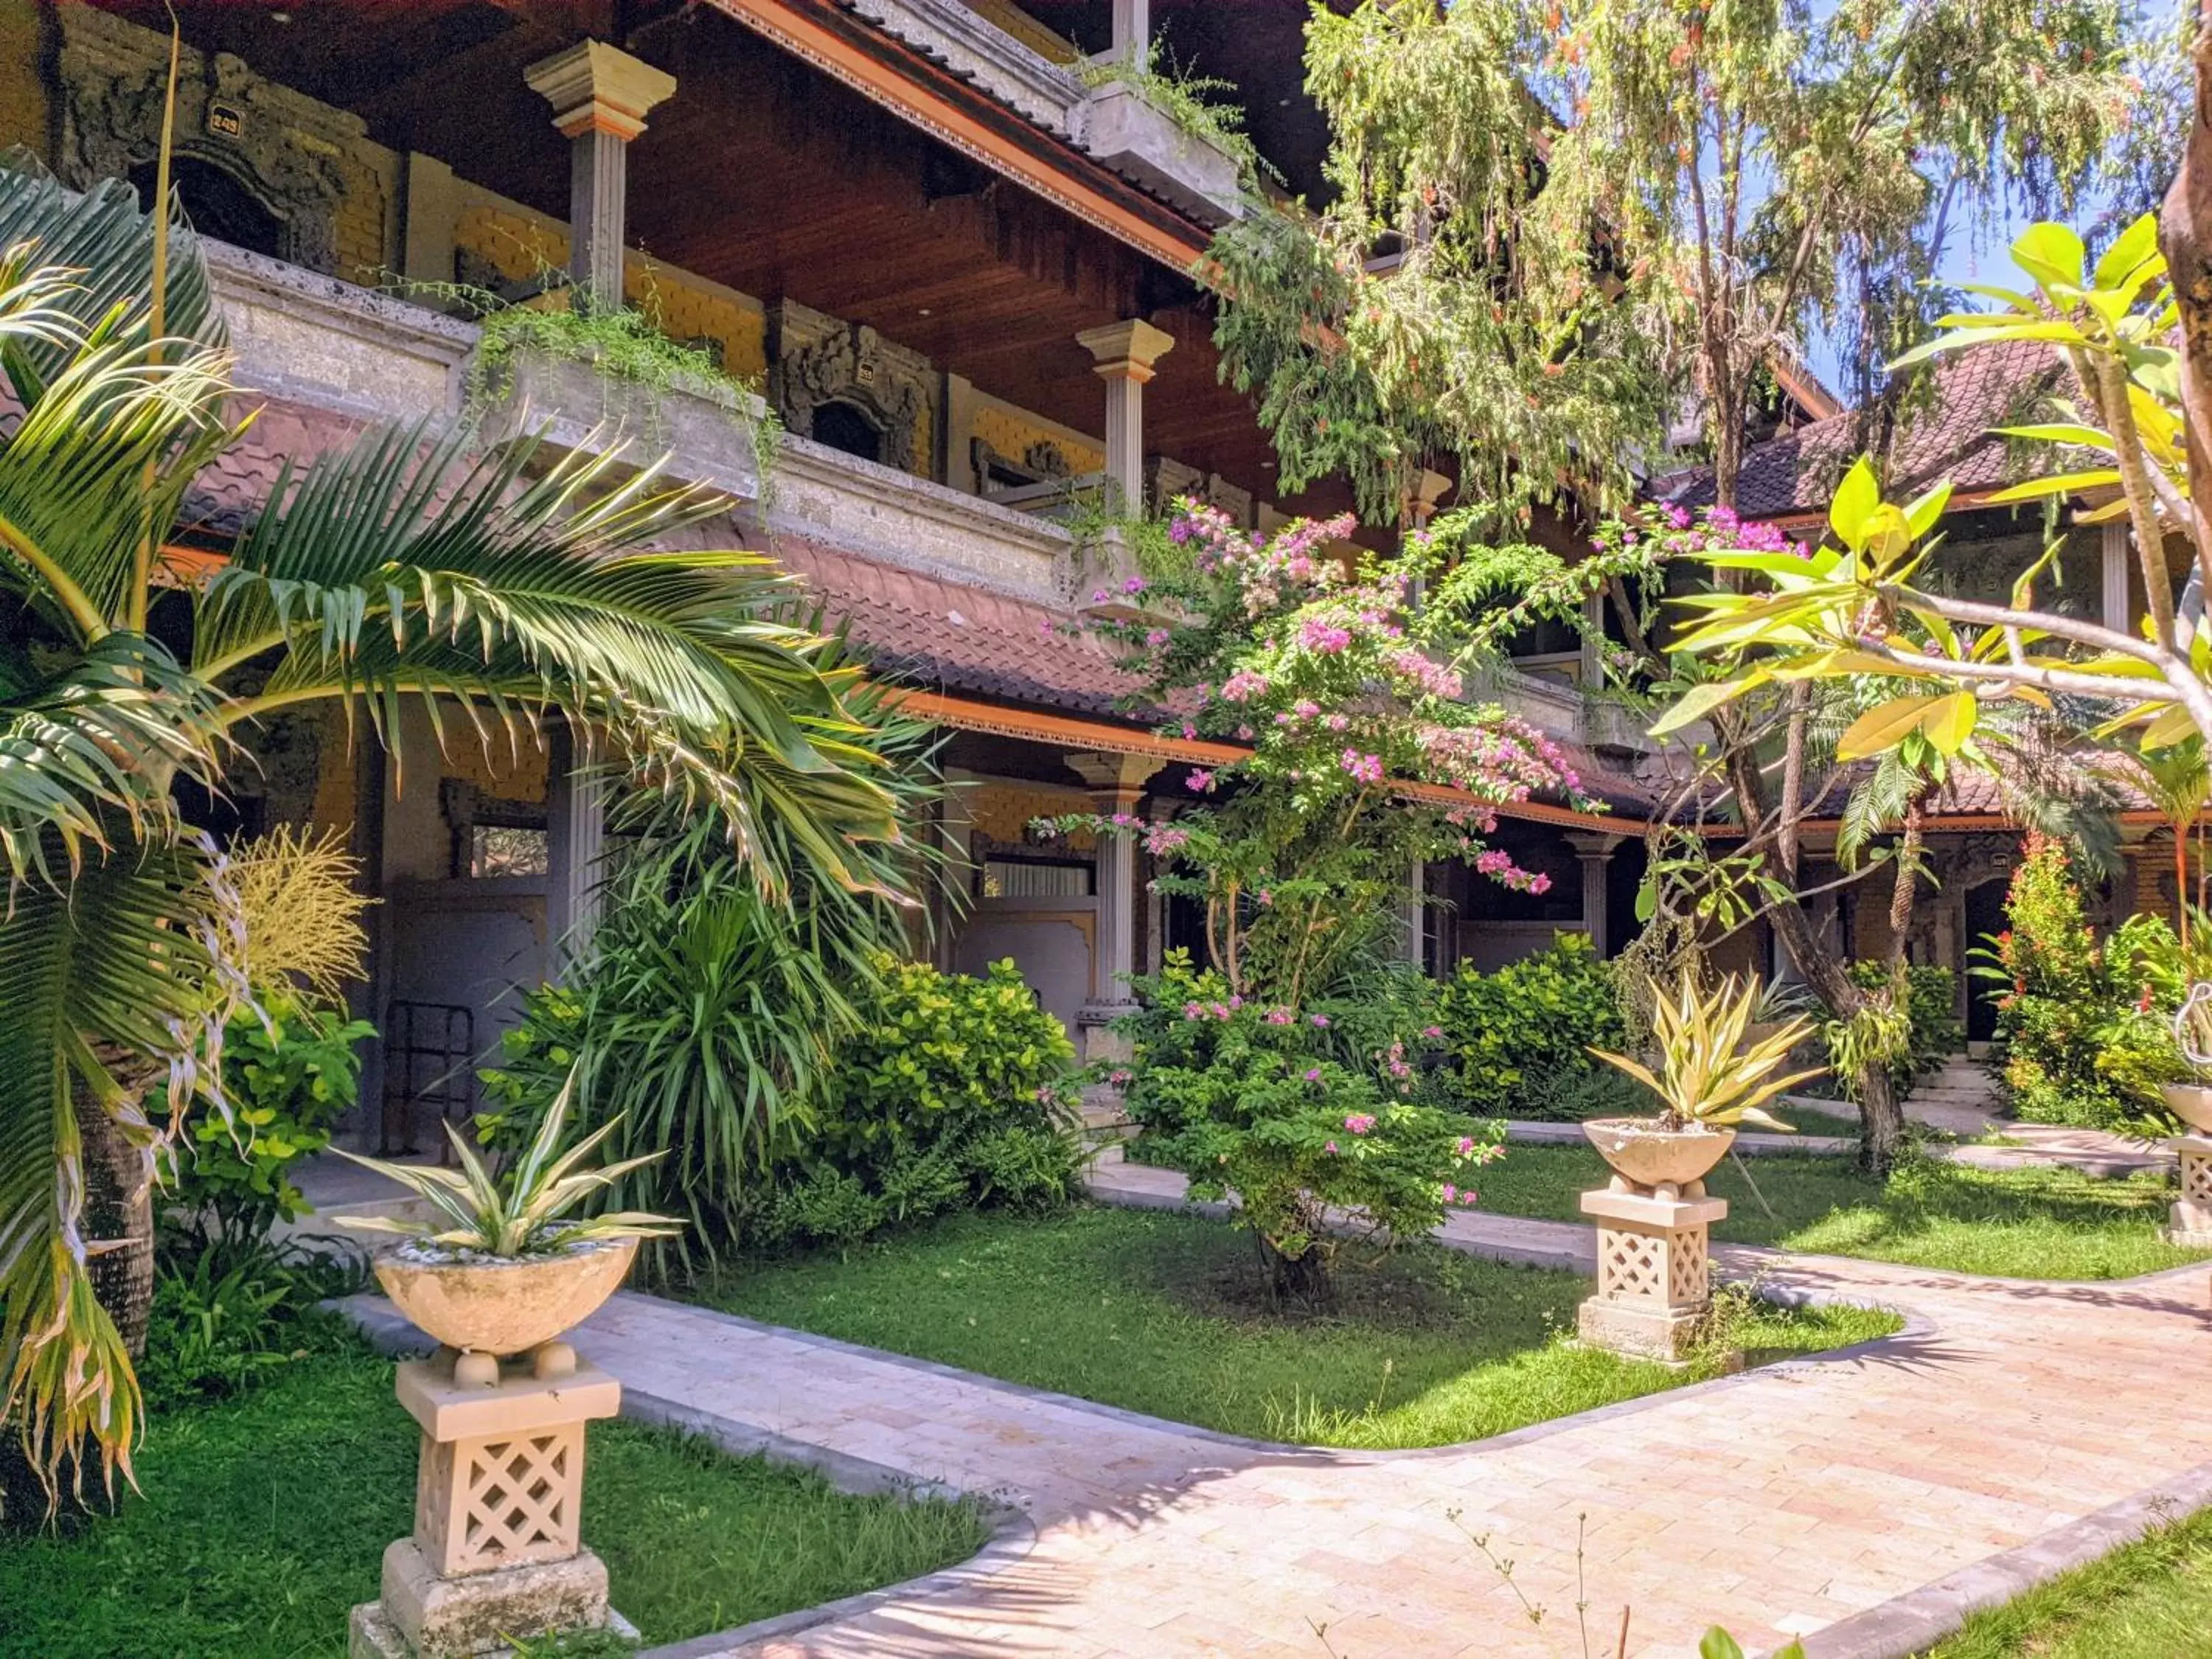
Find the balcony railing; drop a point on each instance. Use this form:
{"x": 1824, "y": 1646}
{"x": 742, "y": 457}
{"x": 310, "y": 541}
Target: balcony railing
{"x": 317, "y": 341}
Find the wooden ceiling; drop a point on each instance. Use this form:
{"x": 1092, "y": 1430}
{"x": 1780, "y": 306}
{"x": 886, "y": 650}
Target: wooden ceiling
{"x": 766, "y": 176}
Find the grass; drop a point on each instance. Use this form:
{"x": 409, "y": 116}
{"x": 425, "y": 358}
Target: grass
{"x": 264, "y": 1519}
{"x": 2149, "y": 1600}
{"x": 2024, "y": 1223}
{"x": 1159, "y": 1312}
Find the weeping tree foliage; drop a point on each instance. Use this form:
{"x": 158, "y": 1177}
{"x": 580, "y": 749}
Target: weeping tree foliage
{"x": 497, "y": 587}
{"x": 1606, "y": 214}
{"x": 1603, "y": 207}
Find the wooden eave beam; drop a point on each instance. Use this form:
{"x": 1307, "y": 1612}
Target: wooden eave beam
{"x": 884, "y": 70}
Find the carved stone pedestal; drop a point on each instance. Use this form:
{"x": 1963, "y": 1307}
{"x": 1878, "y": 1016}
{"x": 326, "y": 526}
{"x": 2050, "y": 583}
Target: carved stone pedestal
{"x": 2191, "y": 1221}
{"x": 1653, "y": 1273}
{"x": 495, "y": 1553}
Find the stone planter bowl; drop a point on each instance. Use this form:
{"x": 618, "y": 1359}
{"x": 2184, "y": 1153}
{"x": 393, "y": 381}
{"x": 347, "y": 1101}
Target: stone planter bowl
{"x": 1640, "y": 1150}
{"x": 2192, "y": 1102}
{"x": 505, "y": 1307}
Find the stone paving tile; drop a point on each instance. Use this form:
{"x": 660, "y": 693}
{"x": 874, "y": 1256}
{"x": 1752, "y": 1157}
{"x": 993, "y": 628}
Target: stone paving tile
{"x": 1776, "y": 1502}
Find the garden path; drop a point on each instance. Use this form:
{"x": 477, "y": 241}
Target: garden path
{"x": 1797, "y": 1498}
{"x": 1962, "y": 1099}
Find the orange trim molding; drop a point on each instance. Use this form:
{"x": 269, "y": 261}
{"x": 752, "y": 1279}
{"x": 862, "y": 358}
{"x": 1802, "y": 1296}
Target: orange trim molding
{"x": 1070, "y": 733}
{"x": 793, "y": 26}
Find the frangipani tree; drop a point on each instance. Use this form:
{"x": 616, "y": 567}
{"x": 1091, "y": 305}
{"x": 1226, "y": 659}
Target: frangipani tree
{"x": 509, "y": 584}
{"x": 1861, "y": 603}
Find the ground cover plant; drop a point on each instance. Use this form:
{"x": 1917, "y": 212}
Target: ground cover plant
{"x": 2151, "y": 1599}
{"x": 1159, "y": 1312}
{"x": 265, "y": 1518}
{"x": 2026, "y": 1223}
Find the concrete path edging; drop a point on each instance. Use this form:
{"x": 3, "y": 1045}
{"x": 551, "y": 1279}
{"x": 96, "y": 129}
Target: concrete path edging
{"x": 1917, "y": 1620}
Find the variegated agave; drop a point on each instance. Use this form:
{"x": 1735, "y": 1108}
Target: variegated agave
{"x": 520, "y": 1212}
{"x": 1707, "y": 1074}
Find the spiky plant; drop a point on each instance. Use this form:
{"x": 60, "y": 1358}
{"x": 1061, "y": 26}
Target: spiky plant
{"x": 1707, "y": 1075}
{"x": 523, "y": 1212}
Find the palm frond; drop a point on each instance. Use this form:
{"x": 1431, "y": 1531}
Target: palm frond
{"x": 89, "y": 746}
{"x": 119, "y": 959}
{"x": 105, "y": 241}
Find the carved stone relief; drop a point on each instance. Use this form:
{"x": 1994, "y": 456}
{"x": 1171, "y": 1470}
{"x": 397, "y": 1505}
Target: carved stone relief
{"x": 816, "y": 360}
{"x": 281, "y": 147}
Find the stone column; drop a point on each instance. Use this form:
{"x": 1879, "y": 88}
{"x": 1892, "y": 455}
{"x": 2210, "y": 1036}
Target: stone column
{"x": 576, "y": 844}
{"x": 1654, "y": 1270}
{"x": 2189, "y": 1221}
{"x": 496, "y": 1552}
{"x": 1132, "y": 31}
{"x": 1117, "y": 784}
{"x": 1125, "y": 355}
{"x": 1595, "y": 850}
{"x": 2118, "y": 558}
{"x": 1590, "y": 668}
{"x": 599, "y": 96}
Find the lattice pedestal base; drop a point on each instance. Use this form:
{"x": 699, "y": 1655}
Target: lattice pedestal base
{"x": 1653, "y": 1273}
{"x": 496, "y": 1554}
{"x": 2190, "y": 1222}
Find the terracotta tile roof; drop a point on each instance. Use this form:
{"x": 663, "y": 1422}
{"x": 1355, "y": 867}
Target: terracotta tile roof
{"x": 923, "y": 627}
{"x": 949, "y": 635}
{"x": 1991, "y": 386}
{"x": 225, "y": 496}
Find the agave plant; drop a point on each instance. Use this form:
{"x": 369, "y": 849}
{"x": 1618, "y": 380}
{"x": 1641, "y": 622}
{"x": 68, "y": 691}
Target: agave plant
{"x": 1706, "y": 1074}
{"x": 522, "y": 1212}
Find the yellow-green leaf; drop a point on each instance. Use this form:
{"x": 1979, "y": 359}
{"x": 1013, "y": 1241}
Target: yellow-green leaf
{"x": 1951, "y": 722}
{"x": 1884, "y": 726}
{"x": 1856, "y": 499}
{"x": 2051, "y": 254}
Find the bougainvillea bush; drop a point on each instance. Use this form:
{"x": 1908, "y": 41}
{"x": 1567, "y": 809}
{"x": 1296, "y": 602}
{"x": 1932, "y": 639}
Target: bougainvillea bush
{"x": 1259, "y": 1100}
{"x": 1362, "y": 754}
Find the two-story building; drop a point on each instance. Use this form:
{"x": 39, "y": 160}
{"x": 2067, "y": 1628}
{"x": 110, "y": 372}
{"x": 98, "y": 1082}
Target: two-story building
{"x": 954, "y": 260}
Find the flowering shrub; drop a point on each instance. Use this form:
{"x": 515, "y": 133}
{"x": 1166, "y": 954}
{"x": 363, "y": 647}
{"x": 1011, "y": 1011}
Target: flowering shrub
{"x": 2082, "y": 1021}
{"x": 1362, "y": 755}
{"x": 1256, "y": 1099}
{"x": 1524, "y": 1029}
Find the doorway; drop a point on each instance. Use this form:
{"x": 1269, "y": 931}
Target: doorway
{"x": 1984, "y": 919}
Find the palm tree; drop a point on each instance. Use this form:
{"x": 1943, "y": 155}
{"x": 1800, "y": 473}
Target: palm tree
{"x": 510, "y": 583}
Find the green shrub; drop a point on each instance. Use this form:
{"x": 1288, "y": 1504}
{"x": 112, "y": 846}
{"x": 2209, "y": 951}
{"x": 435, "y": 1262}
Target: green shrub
{"x": 954, "y": 1092}
{"x": 1531, "y": 1023}
{"x": 1254, "y": 1099}
{"x": 288, "y": 1083}
{"x": 2080, "y": 1023}
{"x": 224, "y": 1321}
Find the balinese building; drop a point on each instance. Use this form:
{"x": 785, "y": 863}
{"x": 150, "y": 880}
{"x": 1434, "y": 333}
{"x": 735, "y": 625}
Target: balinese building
{"x": 1973, "y": 844}
{"x": 955, "y": 260}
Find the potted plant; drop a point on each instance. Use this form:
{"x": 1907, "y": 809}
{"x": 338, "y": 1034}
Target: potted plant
{"x": 501, "y": 1266}
{"x": 1708, "y": 1079}
{"x": 2191, "y": 1102}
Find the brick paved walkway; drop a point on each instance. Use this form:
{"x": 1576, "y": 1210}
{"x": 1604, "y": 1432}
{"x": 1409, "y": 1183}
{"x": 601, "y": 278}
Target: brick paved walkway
{"x": 1778, "y": 1503}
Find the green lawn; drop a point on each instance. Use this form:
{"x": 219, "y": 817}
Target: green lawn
{"x": 2149, "y": 1600}
{"x": 1158, "y": 1312}
{"x": 2028, "y": 1224}
{"x": 264, "y": 1519}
